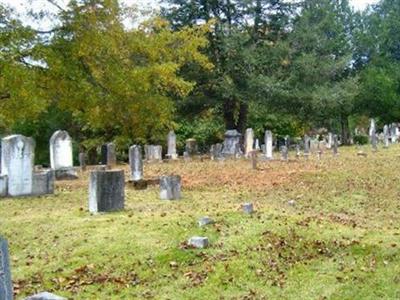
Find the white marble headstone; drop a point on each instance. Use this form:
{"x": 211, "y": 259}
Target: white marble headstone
{"x": 61, "y": 150}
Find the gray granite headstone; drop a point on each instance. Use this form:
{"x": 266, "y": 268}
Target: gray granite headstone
{"x": 216, "y": 152}
{"x": 82, "y": 161}
{"x": 231, "y": 147}
{"x": 108, "y": 155}
{"x": 330, "y": 141}
{"x": 153, "y": 152}
{"x": 191, "y": 147}
{"x": 386, "y": 136}
{"x": 43, "y": 182}
{"x": 171, "y": 142}
{"x": 136, "y": 162}
{"x": 198, "y": 242}
{"x": 170, "y": 187}
{"x": 45, "y": 296}
{"x": 203, "y": 221}
{"x": 6, "y": 287}
{"x": 335, "y": 144}
{"x": 248, "y": 142}
{"x": 106, "y": 191}
{"x": 248, "y": 208}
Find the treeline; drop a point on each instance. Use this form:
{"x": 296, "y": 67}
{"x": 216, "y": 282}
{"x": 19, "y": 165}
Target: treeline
{"x": 199, "y": 67}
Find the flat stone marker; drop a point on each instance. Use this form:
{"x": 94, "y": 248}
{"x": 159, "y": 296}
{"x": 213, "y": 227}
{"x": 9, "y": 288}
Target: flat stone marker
{"x": 248, "y": 208}
{"x": 170, "y": 187}
{"x": 6, "y": 287}
{"x": 45, "y": 296}
{"x": 203, "y": 221}
{"x": 106, "y": 191}
{"x": 136, "y": 162}
{"x": 198, "y": 242}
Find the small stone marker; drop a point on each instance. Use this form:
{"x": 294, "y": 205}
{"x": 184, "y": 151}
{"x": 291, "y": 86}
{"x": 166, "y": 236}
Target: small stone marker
{"x": 106, "y": 191}
{"x": 198, "y": 242}
{"x": 171, "y": 142}
{"x": 45, "y": 296}
{"x": 292, "y": 202}
{"x": 6, "y": 287}
{"x": 203, "y": 221}
{"x": 170, "y": 187}
{"x": 268, "y": 144}
{"x": 136, "y": 162}
{"x": 257, "y": 145}
{"x": 248, "y": 142}
{"x": 153, "y": 153}
{"x": 248, "y": 208}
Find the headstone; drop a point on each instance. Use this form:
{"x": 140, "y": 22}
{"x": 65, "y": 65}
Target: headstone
{"x": 203, "y": 221}
{"x": 307, "y": 146}
{"x": 171, "y": 142}
{"x": 198, "y": 242}
{"x": 372, "y": 135}
{"x": 61, "y": 150}
{"x": 257, "y": 145}
{"x": 254, "y": 159}
{"x": 6, "y": 287}
{"x": 248, "y": 208}
{"x": 298, "y": 152}
{"x": 108, "y": 155}
{"x": 153, "y": 152}
{"x": 248, "y": 142}
{"x": 372, "y": 128}
{"x": 386, "y": 136}
{"x": 268, "y": 144}
{"x": 43, "y": 182}
{"x": 18, "y": 154}
{"x": 374, "y": 142}
{"x": 330, "y": 141}
{"x": 106, "y": 191}
{"x": 82, "y": 161}
{"x": 45, "y": 296}
{"x": 394, "y": 133}
{"x": 335, "y": 144}
{"x": 284, "y": 153}
{"x": 136, "y": 162}
{"x": 170, "y": 187}
{"x": 191, "y": 147}
{"x": 231, "y": 146}
{"x": 216, "y": 152}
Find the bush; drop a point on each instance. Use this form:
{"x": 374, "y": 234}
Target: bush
{"x": 361, "y": 139}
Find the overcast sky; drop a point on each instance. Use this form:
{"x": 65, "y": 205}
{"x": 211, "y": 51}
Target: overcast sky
{"x": 22, "y": 6}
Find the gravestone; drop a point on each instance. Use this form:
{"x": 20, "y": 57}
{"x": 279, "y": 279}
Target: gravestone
{"x": 372, "y": 128}
{"x": 335, "y": 144}
{"x": 330, "y": 141}
{"x": 284, "y": 153}
{"x": 170, "y": 187}
{"x": 108, "y": 155}
{"x": 106, "y": 191}
{"x": 6, "y": 287}
{"x": 203, "y": 221}
{"x": 3, "y": 185}
{"x": 248, "y": 208}
{"x": 248, "y": 142}
{"x": 45, "y": 296}
{"x": 153, "y": 153}
{"x": 298, "y": 152}
{"x": 61, "y": 155}
{"x": 18, "y": 154}
{"x": 216, "y": 152}
{"x": 191, "y": 147}
{"x": 394, "y": 132}
{"x": 136, "y": 162}
{"x": 171, "y": 142}
{"x": 231, "y": 147}
{"x": 307, "y": 146}
{"x": 268, "y": 144}
{"x": 386, "y": 136}
{"x": 257, "y": 145}
{"x": 198, "y": 242}
{"x": 82, "y": 161}
{"x": 43, "y": 182}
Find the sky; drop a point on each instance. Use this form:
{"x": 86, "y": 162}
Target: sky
{"x": 22, "y": 6}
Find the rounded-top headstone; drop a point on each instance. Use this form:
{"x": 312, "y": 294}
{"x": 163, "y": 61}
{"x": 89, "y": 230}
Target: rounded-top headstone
{"x": 61, "y": 150}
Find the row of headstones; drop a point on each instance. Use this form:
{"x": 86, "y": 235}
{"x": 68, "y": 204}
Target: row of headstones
{"x": 390, "y": 134}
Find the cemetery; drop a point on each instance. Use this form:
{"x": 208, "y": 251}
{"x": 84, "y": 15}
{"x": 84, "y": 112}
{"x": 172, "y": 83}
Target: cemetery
{"x": 199, "y": 149}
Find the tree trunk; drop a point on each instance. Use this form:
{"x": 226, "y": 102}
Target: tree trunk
{"x": 243, "y": 113}
{"x": 345, "y": 131}
{"x": 229, "y": 114}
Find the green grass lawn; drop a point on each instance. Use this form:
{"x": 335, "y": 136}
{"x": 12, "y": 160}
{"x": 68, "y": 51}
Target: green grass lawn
{"x": 340, "y": 240}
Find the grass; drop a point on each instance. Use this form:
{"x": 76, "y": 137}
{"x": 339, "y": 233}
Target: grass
{"x": 340, "y": 240}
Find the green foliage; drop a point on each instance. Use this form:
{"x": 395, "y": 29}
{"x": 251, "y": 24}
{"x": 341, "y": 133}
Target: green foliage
{"x": 361, "y": 139}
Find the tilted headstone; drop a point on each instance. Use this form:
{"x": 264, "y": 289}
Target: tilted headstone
{"x": 45, "y": 296}
{"x": 248, "y": 142}
{"x": 136, "y": 162}
{"x": 386, "y": 136}
{"x": 18, "y": 155}
{"x": 153, "y": 152}
{"x": 268, "y": 144}
{"x": 108, "y": 155}
{"x": 191, "y": 147}
{"x": 6, "y": 286}
{"x": 216, "y": 152}
{"x": 106, "y": 191}
{"x": 231, "y": 147}
{"x": 170, "y": 187}
{"x": 335, "y": 144}
{"x": 171, "y": 142}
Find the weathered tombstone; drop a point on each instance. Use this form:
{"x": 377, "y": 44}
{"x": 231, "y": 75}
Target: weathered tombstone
{"x": 335, "y": 144}
{"x": 191, "y": 147}
{"x": 108, "y": 155}
{"x": 198, "y": 242}
{"x": 394, "y": 132}
{"x": 171, "y": 142}
{"x": 329, "y": 144}
{"x": 6, "y": 287}
{"x": 216, "y": 152}
{"x": 284, "y": 153}
{"x": 268, "y": 144}
{"x": 298, "y": 152}
{"x": 374, "y": 142}
{"x": 45, "y": 296}
{"x": 61, "y": 155}
{"x": 18, "y": 153}
{"x": 307, "y": 146}
{"x": 153, "y": 152}
{"x": 136, "y": 162}
{"x": 82, "y": 161}
{"x": 248, "y": 208}
{"x": 253, "y": 155}
{"x": 372, "y": 135}
{"x": 231, "y": 146}
{"x": 170, "y": 187}
{"x": 106, "y": 191}
{"x": 248, "y": 142}
{"x": 386, "y": 136}
{"x": 43, "y": 182}
{"x": 203, "y": 221}
{"x": 257, "y": 145}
